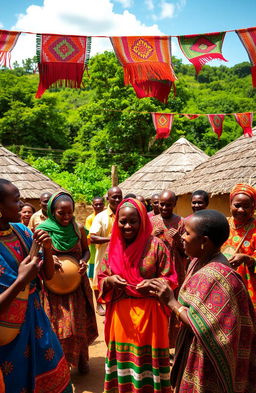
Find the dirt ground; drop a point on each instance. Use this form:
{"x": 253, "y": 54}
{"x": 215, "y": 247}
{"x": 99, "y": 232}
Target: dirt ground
{"x": 93, "y": 382}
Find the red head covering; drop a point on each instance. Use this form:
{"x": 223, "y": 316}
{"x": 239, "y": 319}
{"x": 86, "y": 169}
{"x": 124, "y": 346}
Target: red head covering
{"x": 125, "y": 260}
{"x": 244, "y": 189}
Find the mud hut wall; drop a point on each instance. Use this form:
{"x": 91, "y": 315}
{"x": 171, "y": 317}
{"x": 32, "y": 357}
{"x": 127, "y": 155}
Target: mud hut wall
{"x": 217, "y": 202}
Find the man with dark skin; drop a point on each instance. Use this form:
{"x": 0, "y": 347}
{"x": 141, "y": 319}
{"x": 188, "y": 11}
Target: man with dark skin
{"x": 154, "y": 202}
{"x": 199, "y": 200}
{"x": 170, "y": 227}
{"x": 40, "y": 215}
{"x": 100, "y": 233}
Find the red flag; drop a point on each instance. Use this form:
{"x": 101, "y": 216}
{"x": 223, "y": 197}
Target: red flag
{"x": 245, "y": 121}
{"x": 216, "y": 122}
{"x": 163, "y": 124}
{"x": 190, "y": 117}
{"x": 8, "y": 41}
{"x": 248, "y": 39}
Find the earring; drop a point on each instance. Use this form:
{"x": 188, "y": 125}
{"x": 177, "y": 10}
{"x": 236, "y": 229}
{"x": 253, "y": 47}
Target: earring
{"x": 202, "y": 246}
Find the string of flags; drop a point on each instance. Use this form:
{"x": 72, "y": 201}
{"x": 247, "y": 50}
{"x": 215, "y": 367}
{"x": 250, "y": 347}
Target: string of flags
{"x": 146, "y": 61}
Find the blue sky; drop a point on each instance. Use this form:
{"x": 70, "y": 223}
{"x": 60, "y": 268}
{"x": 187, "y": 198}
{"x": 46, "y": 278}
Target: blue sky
{"x": 130, "y": 17}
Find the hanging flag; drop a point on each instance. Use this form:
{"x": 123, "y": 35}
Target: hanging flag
{"x": 61, "y": 60}
{"x": 199, "y": 49}
{"x": 147, "y": 65}
{"x": 190, "y": 117}
{"x": 163, "y": 124}
{"x": 216, "y": 122}
{"x": 248, "y": 39}
{"x": 245, "y": 121}
{"x": 8, "y": 41}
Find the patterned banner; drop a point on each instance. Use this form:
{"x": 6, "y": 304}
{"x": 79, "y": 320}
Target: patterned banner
{"x": 199, "y": 49}
{"x": 190, "y": 117}
{"x": 216, "y": 122}
{"x": 248, "y": 39}
{"x": 163, "y": 124}
{"x": 61, "y": 60}
{"x": 8, "y": 40}
{"x": 245, "y": 121}
{"x": 147, "y": 65}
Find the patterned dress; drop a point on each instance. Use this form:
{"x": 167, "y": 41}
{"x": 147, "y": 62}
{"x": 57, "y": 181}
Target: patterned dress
{"x": 175, "y": 246}
{"x": 248, "y": 247}
{"x": 136, "y": 329}
{"x": 34, "y": 360}
{"x": 73, "y": 318}
{"x": 216, "y": 354}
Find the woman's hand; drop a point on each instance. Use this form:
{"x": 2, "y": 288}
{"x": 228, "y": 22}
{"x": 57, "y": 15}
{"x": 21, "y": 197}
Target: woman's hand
{"x": 115, "y": 281}
{"x": 28, "y": 269}
{"x": 57, "y": 264}
{"x": 82, "y": 267}
{"x": 43, "y": 239}
{"x": 158, "y": 231}
{"x": 238, "y": 259}
{"x": 160, "y": 288}
{"x": 144, "y": 287}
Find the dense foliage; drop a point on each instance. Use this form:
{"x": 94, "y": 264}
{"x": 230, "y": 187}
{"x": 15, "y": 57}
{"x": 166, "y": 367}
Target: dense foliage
{"x": 105, "y": 124}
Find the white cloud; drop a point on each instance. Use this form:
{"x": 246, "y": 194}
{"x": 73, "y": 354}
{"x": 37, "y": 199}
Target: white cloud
{"x": 90, "y": 17}
{"x": 167, "y": 10}
{"x": 149, "y": 4}
{"x": 125, "y": 3}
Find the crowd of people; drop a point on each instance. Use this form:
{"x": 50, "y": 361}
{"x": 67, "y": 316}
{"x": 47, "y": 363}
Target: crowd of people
{"x": 160, "y": 281}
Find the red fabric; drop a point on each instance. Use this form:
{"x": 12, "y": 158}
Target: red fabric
{"x": 163, "y": 124}
{"x": 245, "y": 121}
{"x": 125, "y": 260}
{"x": 244, "y": 189}
{"x": 190, "y": 117}
{"x": 216, "y": 122}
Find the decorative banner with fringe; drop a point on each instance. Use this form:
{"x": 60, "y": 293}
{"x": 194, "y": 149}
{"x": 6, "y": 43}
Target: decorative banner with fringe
{"x": 248, "y": 39}
{"x": 8, "y": 40}
{"x": 190, "y": 117}
{"x": 216, "y": 122}
{"x": 245, "y": 121}
{"x": 199, "y": 49}
{"x": 61, "y": 60}
{"x": 147, "y": 65}
{"x": 163, "y": 124}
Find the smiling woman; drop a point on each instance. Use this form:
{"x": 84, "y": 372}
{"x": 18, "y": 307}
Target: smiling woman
{"x": 136, "y": 328}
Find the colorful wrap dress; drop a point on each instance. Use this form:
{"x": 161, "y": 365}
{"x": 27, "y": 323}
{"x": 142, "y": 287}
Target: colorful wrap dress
{"x": 136, "y": 326}
{"x": 34, "y": 361}
{"x": 247, "y": 247}
{"x": 217, "y": 353}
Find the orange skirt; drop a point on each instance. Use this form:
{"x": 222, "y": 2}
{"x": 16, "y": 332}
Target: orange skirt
{"x": 138, "y": 347}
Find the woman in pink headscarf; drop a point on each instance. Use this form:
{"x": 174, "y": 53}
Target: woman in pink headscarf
{"x": 136, "y": 328}
{"x": 240, "y": 248}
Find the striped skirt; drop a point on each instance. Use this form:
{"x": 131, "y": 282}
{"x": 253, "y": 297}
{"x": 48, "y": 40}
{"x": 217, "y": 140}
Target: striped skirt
{"x": 138, "y": 347}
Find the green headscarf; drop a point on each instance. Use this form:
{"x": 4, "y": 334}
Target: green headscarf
{"x": 63, "y": 238}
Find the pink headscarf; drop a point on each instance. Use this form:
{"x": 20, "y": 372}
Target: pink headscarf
{"x": 125, "y": 260}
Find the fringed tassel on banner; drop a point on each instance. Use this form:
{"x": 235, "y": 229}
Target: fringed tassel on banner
{"x": 253, "y": 71}
{"x": 5, "y": 59}
{"x": 200, "y": 61}
{"x": 59, "y": 75}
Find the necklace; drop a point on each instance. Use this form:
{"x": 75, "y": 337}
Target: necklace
{"x": 233, "y": 226}
{"x": 6, "y": 232}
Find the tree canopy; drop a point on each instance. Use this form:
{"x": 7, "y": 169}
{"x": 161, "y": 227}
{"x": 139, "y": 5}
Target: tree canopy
{"x": 104, "y": 123}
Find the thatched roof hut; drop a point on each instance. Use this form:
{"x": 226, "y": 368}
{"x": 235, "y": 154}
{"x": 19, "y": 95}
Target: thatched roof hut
{"x": 235, "y": 163}
{"x": 162, "y": 171}
{"x": 30, "y": 182}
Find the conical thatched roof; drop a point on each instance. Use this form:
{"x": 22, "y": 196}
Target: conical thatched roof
{"x": 30, "y": 182}
{"x": 160, "y": 173}
{"x": 235, "y": 163}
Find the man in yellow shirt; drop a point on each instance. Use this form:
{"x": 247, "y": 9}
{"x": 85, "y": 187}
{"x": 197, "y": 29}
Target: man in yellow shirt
{"x": 100, "y": 232}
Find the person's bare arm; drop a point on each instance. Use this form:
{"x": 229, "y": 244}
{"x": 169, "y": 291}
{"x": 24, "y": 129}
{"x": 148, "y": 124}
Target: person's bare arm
{"x": 99, "y": 239}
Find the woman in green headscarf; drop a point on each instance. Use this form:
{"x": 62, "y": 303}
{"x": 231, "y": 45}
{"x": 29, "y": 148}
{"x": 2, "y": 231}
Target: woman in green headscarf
{"x": 72, "y": 315}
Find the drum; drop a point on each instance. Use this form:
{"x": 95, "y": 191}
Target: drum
{"x": 66, "y": 281}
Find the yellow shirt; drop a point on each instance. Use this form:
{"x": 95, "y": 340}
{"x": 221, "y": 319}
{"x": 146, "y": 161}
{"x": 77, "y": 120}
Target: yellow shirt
{"x": 36, "y": 219}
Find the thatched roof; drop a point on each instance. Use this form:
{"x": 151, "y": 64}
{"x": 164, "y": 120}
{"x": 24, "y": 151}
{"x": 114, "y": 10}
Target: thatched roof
{"x": 234, "y": 163}
{"x": 30, "y": 182}
{"x": 160, "y": 173}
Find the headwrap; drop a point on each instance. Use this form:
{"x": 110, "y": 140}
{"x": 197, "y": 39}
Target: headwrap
{"x": 125, "y": 260}
{"x": 244, "y": 189}
{"x": 64, "y": 238}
